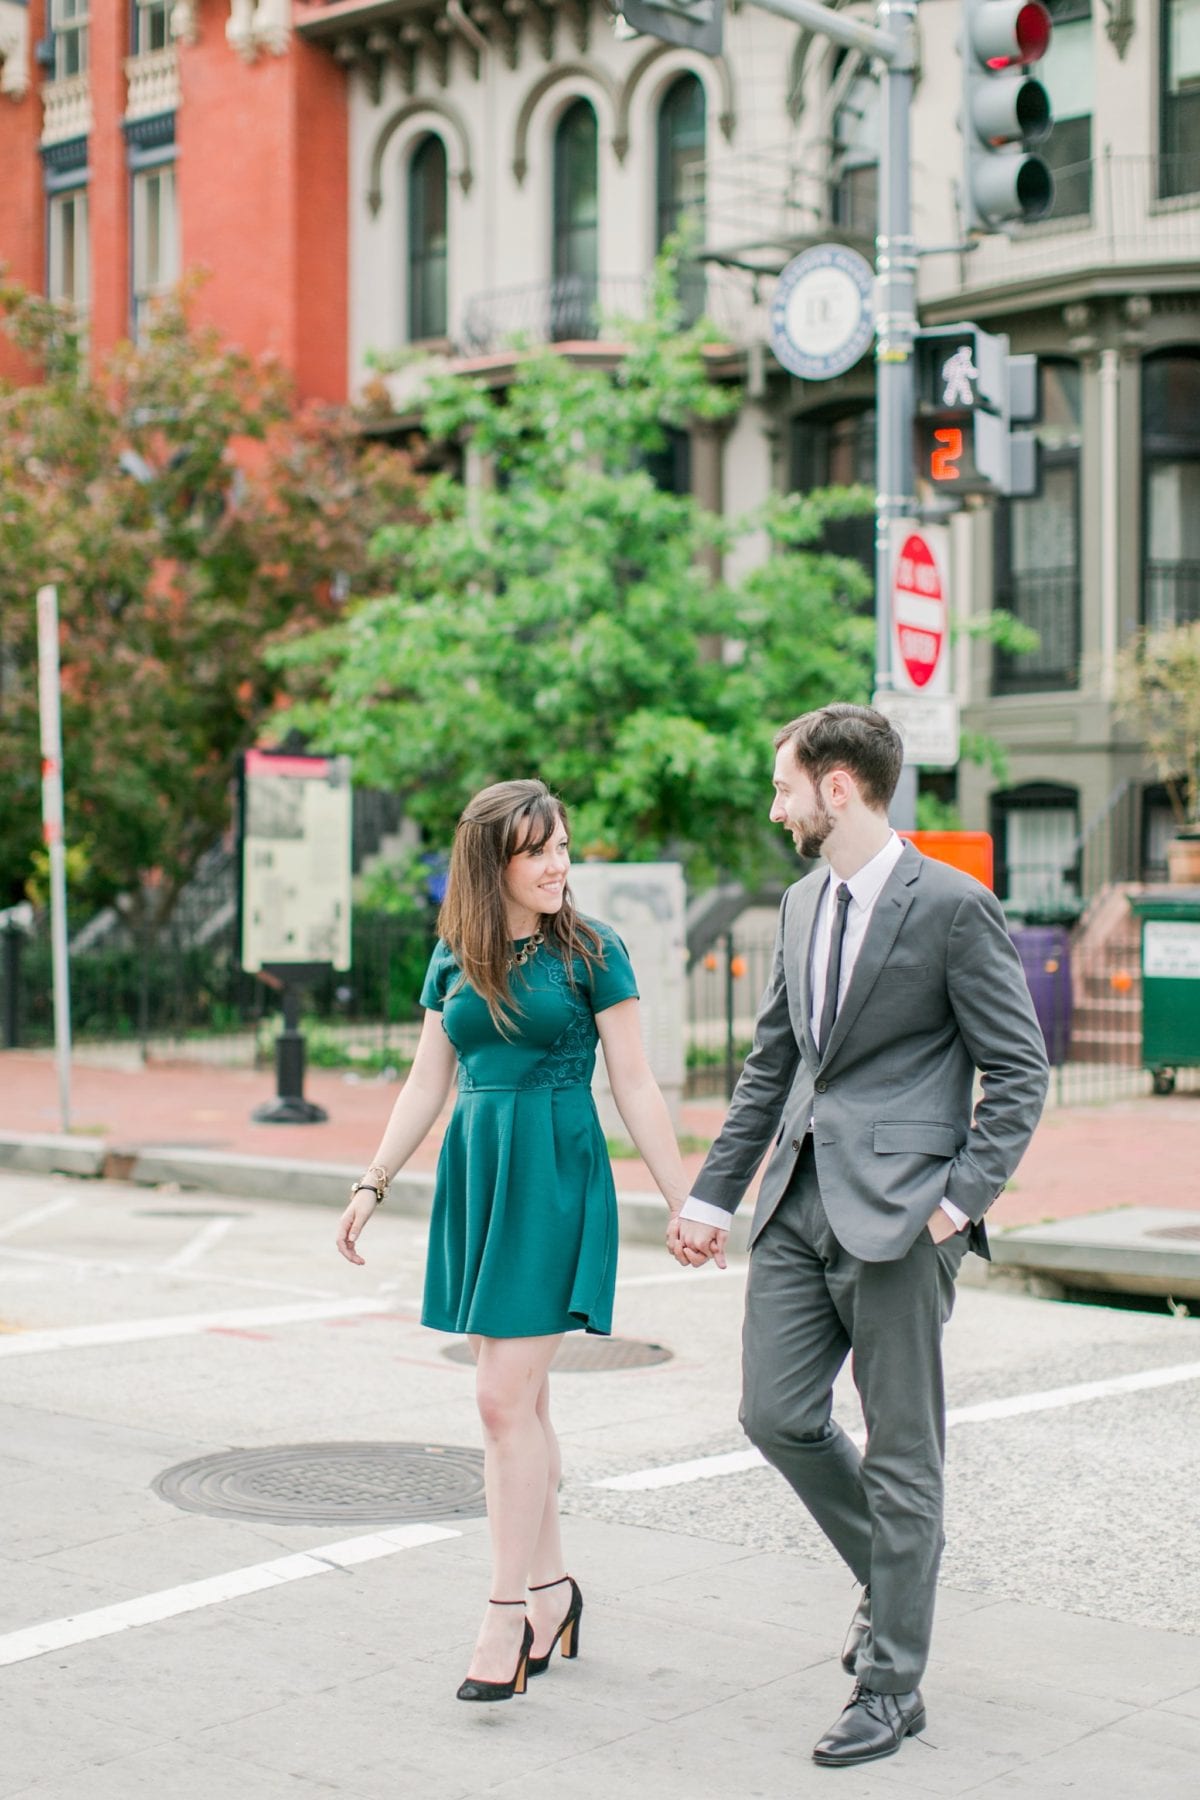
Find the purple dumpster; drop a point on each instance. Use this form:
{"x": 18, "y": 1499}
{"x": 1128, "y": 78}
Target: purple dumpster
{"x": 1045, "y": 952}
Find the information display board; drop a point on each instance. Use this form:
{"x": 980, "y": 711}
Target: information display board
{"x": 295, "y": 864}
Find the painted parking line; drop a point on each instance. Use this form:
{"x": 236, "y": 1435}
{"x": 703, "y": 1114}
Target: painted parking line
{"x": 134, "y": 1331}
{"x": 168, "y": 1603}
{"x": 197, "y": 1246}
{"x": 83, "y": 1266}
{"x": 737, "y": 1462}
{"x": 36, "y": 1216}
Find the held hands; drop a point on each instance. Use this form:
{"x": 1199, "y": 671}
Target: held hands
{"x": 693, "y": 1244}
{"x": 362, "y": 1205}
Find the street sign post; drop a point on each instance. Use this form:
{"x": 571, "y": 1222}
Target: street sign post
{"x": 50, "y": 711}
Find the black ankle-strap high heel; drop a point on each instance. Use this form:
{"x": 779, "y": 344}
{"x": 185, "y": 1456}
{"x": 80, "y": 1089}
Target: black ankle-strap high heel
{"x": 474, "y": 1689}
{"x": 568, "y": 1631}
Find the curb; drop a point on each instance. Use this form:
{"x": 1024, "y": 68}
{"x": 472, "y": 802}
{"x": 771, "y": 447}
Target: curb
{"x": 640, "y": 1215}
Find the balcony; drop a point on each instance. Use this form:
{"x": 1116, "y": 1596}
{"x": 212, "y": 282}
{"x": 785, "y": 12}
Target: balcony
{"x": 1047, "y": 600}
{"x": 153, "y": 81}
{"x": 1171, "y": 594}
{"x": 1117, "y": 219}
{"x": 576, "y": 308}
{"x": 67, "y": 109}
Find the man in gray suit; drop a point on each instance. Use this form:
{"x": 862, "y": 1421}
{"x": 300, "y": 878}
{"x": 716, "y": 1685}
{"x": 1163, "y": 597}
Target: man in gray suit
{"x": 894, "y": 981}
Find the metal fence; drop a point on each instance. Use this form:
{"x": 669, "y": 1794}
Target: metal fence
{"x": 170, "y": 997}
{"x": 1085, "y": 980}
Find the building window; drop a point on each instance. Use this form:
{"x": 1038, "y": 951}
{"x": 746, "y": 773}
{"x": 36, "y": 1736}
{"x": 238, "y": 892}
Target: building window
{"x": 680, "y": 178}
{"x": 1036, "y": 834}
{"x": 1171, "y": 464}
{"x": 1179, "y": 111}
{"x": 68, "y": 273}
{"x": 854, "y": 192}
{"x": 151, "y": 26}
{"x": 69, "y": 24}
{"x": 1068, "y": 75}
{"x": 155, "y": 238}
{"x": 428, "y": 211}
{"x": 576, "y": 250}
{"x": 670, "y": 469}
{"x": 1037, "y": 548}
{"x": 838, "y": 450}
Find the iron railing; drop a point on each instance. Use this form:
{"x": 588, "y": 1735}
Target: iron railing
{"x": 584, "y": 308}
{"x": 1047, "y": 600}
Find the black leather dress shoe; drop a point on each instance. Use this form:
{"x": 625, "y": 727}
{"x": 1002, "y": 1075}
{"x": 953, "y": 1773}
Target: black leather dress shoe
{"x": 860, "y": 1624}
{"x": 873, "y": 1725}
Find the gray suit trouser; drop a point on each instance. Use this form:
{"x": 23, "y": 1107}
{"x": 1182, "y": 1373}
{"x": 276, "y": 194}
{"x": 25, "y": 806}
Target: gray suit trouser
{"x": 809, "y": 1304}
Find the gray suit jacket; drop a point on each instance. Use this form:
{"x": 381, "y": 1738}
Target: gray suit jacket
{"x": 937, "y": 993}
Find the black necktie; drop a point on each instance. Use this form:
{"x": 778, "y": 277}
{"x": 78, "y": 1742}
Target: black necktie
{"x": 833, "y": 973}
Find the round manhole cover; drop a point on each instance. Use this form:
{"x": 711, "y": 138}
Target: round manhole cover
{"x": 580, "y": 1355}
{"x": 331, "y": 1484}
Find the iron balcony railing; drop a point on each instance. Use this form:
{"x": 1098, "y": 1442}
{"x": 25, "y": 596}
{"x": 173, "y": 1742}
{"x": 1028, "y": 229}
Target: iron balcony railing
{"x": 1048, "y": 601}
{"x": 583, "y": 308}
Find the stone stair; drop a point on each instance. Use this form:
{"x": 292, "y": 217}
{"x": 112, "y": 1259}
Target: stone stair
{"x": 1106, "y": 981}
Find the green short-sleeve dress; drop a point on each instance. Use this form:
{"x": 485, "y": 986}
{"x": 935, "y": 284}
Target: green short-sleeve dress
{"x": 523, "y": 1238}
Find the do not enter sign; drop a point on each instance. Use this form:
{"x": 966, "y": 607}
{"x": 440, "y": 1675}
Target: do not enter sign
{"x": 919, "y": 611}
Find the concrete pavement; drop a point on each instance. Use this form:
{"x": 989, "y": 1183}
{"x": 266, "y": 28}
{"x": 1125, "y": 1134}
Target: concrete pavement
{"x": 141, "y": 1329}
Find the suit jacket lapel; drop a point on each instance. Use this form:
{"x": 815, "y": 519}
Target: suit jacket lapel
{"x": 806, "y": 916}
{"x": 882, "y": 930}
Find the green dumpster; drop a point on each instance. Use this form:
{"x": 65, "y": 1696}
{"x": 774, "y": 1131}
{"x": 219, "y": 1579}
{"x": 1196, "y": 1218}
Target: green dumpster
{"x": 1170, "y": 919}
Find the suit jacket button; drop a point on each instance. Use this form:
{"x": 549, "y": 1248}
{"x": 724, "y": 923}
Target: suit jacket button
{"x": 795, "y": 1143}
{"x": 820, "y": 1086}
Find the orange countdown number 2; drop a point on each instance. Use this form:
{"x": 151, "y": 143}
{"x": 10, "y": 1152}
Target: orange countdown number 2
{"x": 946, "y": 455}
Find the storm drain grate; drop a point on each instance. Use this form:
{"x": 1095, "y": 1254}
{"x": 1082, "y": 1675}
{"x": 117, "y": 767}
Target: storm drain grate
{"x": 580, "y": 1355}
{"x": 331, "y": 1484}
{"x": 1190, "y": 1232}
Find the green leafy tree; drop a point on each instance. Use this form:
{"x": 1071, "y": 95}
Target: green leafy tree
{"x": 191, "y": 516}
{"x": 563, "y": 621}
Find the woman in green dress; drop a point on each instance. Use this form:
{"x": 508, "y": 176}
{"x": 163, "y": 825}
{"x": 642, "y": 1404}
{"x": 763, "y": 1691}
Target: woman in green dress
{"x": 523, "y": 1237}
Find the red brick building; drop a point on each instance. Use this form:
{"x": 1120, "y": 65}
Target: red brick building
{"x": 143, "y": 138}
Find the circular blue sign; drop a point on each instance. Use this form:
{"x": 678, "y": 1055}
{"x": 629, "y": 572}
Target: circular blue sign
{"x": 823, "y": 313}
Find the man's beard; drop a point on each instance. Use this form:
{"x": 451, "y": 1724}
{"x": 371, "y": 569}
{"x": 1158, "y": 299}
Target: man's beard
{"x": 814, "y": 830}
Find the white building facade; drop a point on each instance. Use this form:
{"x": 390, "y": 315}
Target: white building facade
{"x": 515, "y": 167}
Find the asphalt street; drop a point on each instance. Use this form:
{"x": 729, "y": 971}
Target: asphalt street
{"x": 146, "y": 1649}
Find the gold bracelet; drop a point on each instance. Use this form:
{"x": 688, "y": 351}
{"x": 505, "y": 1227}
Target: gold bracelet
{"x": 376, "y": 1179}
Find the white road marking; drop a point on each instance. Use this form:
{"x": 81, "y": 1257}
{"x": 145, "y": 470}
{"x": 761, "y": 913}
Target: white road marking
{"x": 93, "y": 1265}
{"x": 693, "y": 1277}
{"x": 24, "y": 1221}
{"x": 737, "y": 1462}
{"x": 133, "y": 1331}
{"x": 168, "y": 1603}
{"x": 197, "y": 1246}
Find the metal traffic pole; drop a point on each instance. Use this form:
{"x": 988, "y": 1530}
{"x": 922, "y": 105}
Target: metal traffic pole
{"x": 893, "y": 40}
{"x": 49, "y": 692}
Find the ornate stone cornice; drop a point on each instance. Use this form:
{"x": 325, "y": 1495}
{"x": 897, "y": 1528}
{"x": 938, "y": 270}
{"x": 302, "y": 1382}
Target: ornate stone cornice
{"x": 14, "y": 50}
{"x": 255, "y": 25}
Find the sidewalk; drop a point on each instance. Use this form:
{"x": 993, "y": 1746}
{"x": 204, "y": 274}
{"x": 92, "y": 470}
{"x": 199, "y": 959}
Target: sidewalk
{"x": 1083, "y": 1160}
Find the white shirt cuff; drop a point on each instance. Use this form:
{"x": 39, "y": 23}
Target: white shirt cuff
{"x": 959, "y": 1218}
{"x": 701, "y": 1213}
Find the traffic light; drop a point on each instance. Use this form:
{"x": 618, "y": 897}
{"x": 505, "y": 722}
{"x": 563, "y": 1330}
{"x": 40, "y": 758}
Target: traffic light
{"x": 970, "y": 393}
{"x": 695, "y": 24}
{"x": 1004, "y": 110}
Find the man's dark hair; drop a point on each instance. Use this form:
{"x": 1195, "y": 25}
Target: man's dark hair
{"x": 855, "y": 738}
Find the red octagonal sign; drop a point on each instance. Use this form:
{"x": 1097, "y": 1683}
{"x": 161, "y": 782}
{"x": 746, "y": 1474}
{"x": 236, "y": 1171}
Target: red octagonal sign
{"x": 919, "y": 609}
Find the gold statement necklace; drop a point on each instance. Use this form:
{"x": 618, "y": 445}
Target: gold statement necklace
{"x": 529, "y": 948}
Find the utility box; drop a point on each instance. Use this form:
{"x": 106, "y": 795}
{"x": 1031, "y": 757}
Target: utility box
{"x": 1170, "y": 918}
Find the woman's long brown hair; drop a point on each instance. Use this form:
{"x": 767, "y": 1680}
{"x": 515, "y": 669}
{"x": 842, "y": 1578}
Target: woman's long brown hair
{"x": 473, "y": 921}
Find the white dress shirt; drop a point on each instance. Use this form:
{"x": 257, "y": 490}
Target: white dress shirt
{"x": 865, "y": 886}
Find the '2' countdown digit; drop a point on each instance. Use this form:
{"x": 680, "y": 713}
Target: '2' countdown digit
{"x": 946, "y": 454}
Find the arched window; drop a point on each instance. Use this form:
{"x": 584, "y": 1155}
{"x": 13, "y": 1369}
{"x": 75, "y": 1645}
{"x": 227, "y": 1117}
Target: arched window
{"x": 680, "y": 177}
{"x": 1037, "y": 547}
{"x": 1035, "y": 829}
{"x": 1171, "y": 465}
{"x": 854, "y": 196}
{"x": 428, "y": 192}
{"x": 576, "y": 249}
